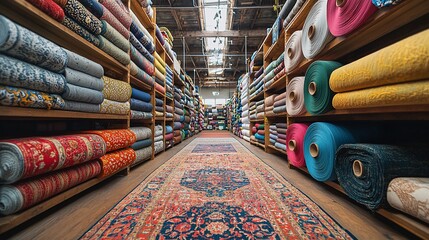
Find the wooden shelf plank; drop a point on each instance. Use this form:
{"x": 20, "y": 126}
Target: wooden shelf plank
{"x": 257, "y": 120}
{"x": 169, "y": 119}
{"x": 159, "y": 119}
{"x": 257, "y": 97}
{"x": 257, "y": 144}
{"x": 159, "y": 93}
{"x": 139, "y": 83}
{"x": 277, "y": 149}
{"x": 278, "y": 85}
{"x": 159, "y": 48}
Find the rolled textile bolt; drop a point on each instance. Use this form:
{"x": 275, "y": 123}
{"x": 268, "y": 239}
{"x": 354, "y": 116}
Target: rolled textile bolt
{"x": 290, "y": 53}
{"x": 292, "y": 145}
{"x": 340, "y": 3}
{"x": 357, "y": 168}
{"x": 312, "y": 88}
{"x": 292, "y": 96}
{"x": 311, "y": 31}
{"x": 314, "y": 150}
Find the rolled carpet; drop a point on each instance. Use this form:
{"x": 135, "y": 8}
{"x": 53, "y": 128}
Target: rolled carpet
{"x": 410, "y": 195}
{"x": 141, "y": 132}
{"x": 23, "y": 44}
{"x": 20, "y": 97}
{"x": 140, "y": 95}
{"x": 317, "y": 94}
{"x": 115, "y": 161}
{"x": 365, "y": 170}
{"x": 81, "y": 107}
{"x": 145, "y": 40}
{"x": 143, "y": 154}
{"x": 295, "y": 143}
{"x": 141, "y": 115}
{"x": 138, "y": 105}
{"x": 116, "y": 90}
{"x": 116, "y": 138}
{"x": 50, "y": 8}
{"x": 82, "y": 79}
{"x": 142, "y": 144}
{"x": 294, "y": 54}
{"x": 28, "y": 157}
{"x": 81, "y": 94}
{"x": 22, "y": 195}
{"x": 93, "y": 6}
{"x": 409, "y": 56}
{"x": 159, "y": 146}
{"x": 295, "y": 97}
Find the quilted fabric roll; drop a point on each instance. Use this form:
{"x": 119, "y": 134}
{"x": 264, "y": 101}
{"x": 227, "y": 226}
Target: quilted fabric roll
{"x": 140, "y": 95}
{"x": 365, "y": 170}
{"x": 113, "y": 107}
{"x": 141, "y": 61}
{"x": 114, "y": 22}
{"x": 295, "y": 143}
{"x": 315, "y": 33}
{"x": 143, "y": 154}
{"x": 28, "y": 157}
{"x": 115, "y": 37}
{"x": 385, "y": 3}
{"x": 114, "y": 161}
{"x": 295, "y": 97}
{"x": 140, "y": 115}
{"x": 322, "y": 140}
{"x": 141, "y": 75}
{"x": 116, "y": 139}
{"x": 116, "y": 90}
{"x": 141, "y": 48}
{"x": 80, "y": 94}
{"x": 293, "y": 51}
{"x": 408, "y": 61}
{"x": 23, "y": 44}
{"x": 345, "y": 16}
{"x": 114, "y": 51}
{"x": 140, "y": 105}
{"x": 141, "y": 132}
{"x": 20, "y": 196}
{"x": 83, "y": 80}
{"x": 412, "y": 93}
{"x": 81, "y": 15}
{"x": 93, "y": 6}
{"x": 81, "y": 31}
{"x": 81, "y": 107}
{"x": 21, "y": 74}
{"x": 142, "y": 144}
{"x": 119, "y": 11}
{"x": 20, "y": 97}
{"x": 317, "y": 94}
{"x": 50, "y": 8}
{"x": 410, "y": 195}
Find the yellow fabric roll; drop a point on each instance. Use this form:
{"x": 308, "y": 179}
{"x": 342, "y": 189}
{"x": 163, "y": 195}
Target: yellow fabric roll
{"x": 113, "y": 107}
{"x": 159, "y": 75}
{"x": 116, "y": 90}
{"x": 159, "y": 66}
{"x": 157, "y": 57}
{"x": 411, "y": 93}
{"x": 404, "y": 61}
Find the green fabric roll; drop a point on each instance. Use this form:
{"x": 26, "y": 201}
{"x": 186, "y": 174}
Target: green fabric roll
{"x": 317, "y": 94}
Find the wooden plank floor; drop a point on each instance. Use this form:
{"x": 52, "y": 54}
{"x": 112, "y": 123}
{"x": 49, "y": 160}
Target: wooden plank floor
{"x": 71, "y": 219}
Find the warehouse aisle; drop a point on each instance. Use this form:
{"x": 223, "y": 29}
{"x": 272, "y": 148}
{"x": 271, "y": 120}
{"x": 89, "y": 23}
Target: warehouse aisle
{"x": 216, "y": 177}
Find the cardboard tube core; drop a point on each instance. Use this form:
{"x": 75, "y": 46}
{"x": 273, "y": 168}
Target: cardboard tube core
{"x": 314, "y": 150}
{"x": 312, "y": 87}
{"x": 290, "y": 52}
{"x": 311, "y": 31}
{"x": 357, "y": 168}
{"x": 292, "y": 96}
{"x": 340, "y": 3}
{"x": 292, "y": 145}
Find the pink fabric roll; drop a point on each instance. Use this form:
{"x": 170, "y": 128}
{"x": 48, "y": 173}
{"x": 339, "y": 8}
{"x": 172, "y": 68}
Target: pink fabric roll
{"x": 254, "y": 130}
{"x": 345, "y": 16}
{"x": 159, "y": 88}
{"x": 169, "y": 136}
{"x": 295, "y": 143}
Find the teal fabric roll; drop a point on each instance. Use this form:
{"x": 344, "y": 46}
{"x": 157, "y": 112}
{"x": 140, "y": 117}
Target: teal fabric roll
{"x": 325, "y": 139}
{"x": 83, "y": 64}
{"x": 20, "y": 97}
{"x": 81, "y": 94}
{"x": 17, "y": 73}
{"x": 81, "y": 31}
{"x": 83, "y": 17}
{"x": 365, "y": 170}
{"x": 259, "y": 136}
{"x": 83, "y": 80}
{"x": 115, "y": 37}
{"x": 114, "y": 51}
{"x": 81, "y": 107}
{"x": 317, "y": 94}
{"x": 142, "y": 144}
{"x": 25, "y": 45}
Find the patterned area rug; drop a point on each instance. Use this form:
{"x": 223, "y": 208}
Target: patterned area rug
{"x": 216, "y": 194}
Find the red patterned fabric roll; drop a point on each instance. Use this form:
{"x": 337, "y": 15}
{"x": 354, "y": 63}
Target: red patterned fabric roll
{"x": 49, "y": 7}
{"x": 28, "y": 157}
{"x": 114, "y": 161}
{"x": 108, "y": 17}
{"x": 159, "y": 88}
{"x": 116, "y": 139}
{"x": 120, "y": 12}
{"x": 25, "y": 194}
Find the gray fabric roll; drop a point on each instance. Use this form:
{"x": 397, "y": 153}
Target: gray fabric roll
{"x": 81, "y": 94}
{"x": 82, "y": 64}
{"x": 81, "y": 107}
{"x": 143, "y": 154}
{"x": 83, "y": 80}
{"x": 141, "y": 115}
{"x": 158, "y": 138}
{"x": 11, "y": 164}
{"x": 159, "y": 146}
{"x": 280, "y": 109}
{"x": 141, "y": 132}
{"x": 11, "y": 200}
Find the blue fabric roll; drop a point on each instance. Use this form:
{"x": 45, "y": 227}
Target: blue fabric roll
{"x": 93, "y": 6}
{"x": 259, "y": 136}
{"x": 385, "y": 3}
{"x": 159, "y": 102}
{"x": 177, "y": 125}
{"x": 159, "y": 35}
{"x": 140, "y": 105}
{"x": 81, "y": 94}
{"x": 23, "y": 44}
{"x": 182, "y": 118}
{"x": 168, "y": 129}
{"x": 327, "y": 137}
{"x": 83, "y": 80}
{"x": 141, "y": 48}
{"x": 272, "y": 141}
{"x": 280, "y": 145}
{"x": 17, "y": 73}
{"x": 81, "y": 107}
{"x": 287, "y": 7}
{"x": 140, "y": 95}
{"x": 142, "y": 144}
{"x": 273, "y": 136}
{"x": 142, "y": 37}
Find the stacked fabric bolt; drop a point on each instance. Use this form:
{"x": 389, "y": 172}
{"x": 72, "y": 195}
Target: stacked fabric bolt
{"x": 187, "y": 122}
{"x": 169, "y": 82}
{"x": 245, "y": 116}
{"x": 260, "y": 109}
{"x": 169, "y": 135}
{"x": 166, "y": 34}
{"x": 169, "y": 111}
{"x": 289, "y": 10}
{"x": 281, "y": 136}
{"x": 280, "y": 103}
{"x": 143, "y": 144}
{"x": 160, "y": 72}
{"x": 147, "y": 6}
{"x": 252, "y": 110}
{"x": 141, "y": 106}
{"x": 116, "y": 96}
{"x": 257, "y": 86}
{"x": 259, "y": 133}
{"x": 273, "y": 134}
{"x": 159, "y": 139}
{"x": 31, "y": 68}
{"x": 376, "y": 84}
{"x": 159, "y": 107}
{"x": 269, "y": 104}
{"x": 257, "y": 61}
{"x": 179, "y": 117}
{"x": 274, "y": 71}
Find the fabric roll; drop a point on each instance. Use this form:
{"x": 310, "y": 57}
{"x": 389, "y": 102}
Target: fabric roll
{"x": 159, "y": 109}
{"x": 280, "y": 146}
{"x": 322, "y": 140}
{"x": 409, "y": 58}
{"x": 81, "y": 107}
{"x": 28, "y": 157}
{"x": 158, "y": 146}
{"x": 365, "y": 170}
{"x": 114, "y": 22}
{"x": 273, "y": 136}
{"x": 114, "y": 51}
{"x": 80, "y": 94}
{"x": 385, "y": 3}
{"x": 177, "y": 139}
{"x": 20, "y": 196}
{"x": 20, "y": 97}
{"x": 83, "y": 80}
{"x": 25, "y": 45}
{"x": 159, "y": 75}
{"x": 159, "y": 102}
{"x": 280, "y": 102}
{"x": 141, "y": 132}
{"x": 141, "y": 115}
{"x": 158, "y": 138}
{"x": 141, "y": 27}
{"x": 168, "y": 129}
{"x": 259, "y": 136}
{"x": 177, "y": 133}
{"x": 159, "y": 35}
{"x": 116, "y": 90}
{"x": 315, "y": 32}
{"x": 113, "y": 107}
{"x": 17, "y": 73}
{"x": 261, "y": 132}
{"x": 295, "y": 143}
{"x": 295, "y": 97}
{"x": 282, "y": 141}
{"x": 141, "y": 48}
{"x": 50, "y": 8}
{"x": 140, "y": 95}
{"x": 260, "y": 126}
{"x": 145, "y": 40}
{"x": 143, "y": 154}
{"x": 297, "y": 6}
{"x": 317, "y": 94}
{"x": 287, "y": 7}
{"x": 281, "y": 125}
{"x": 281, "y": 130}
{"x": 169, "y": 108}
{"x": 279, "y": 109}
{"x": 177, "y": 125}
{"x": 344, "y": 17}
{"x": 159, "y": 66}
{"x": 169, "y": 136}
{"x": 138, "y": 105}
{"x": 111, "y": 34}
{"x": 115, "y": 161}
{"x": 178, "y": 111}
{"x": 293, "y": 51}
{"x": 403, "y": 94}
{"x": 141, "y": 75}
{"x": 269, "y": 101}
{"x": 141, "y": 61}
{"x": 93, "y": 6}
{"x": 116, "y": 139}
{"x": 142, "y": 144}
{"x": 281, "y": 136}
{"x": 410, "y": 195}
{"x": 120, "y": 12}
{"x": 79, "y": 30}
{"x": 82, "y": 16}
{"x": 160, "y": 88}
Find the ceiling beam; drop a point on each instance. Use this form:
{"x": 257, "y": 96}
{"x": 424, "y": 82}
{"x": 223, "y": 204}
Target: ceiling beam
{"x": 226, "y": 33}
{"x": 167, "y": 8}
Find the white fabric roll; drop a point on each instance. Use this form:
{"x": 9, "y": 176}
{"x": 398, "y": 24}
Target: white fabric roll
{"x": 295, "y": 97}
{"x": 293, "y": 51}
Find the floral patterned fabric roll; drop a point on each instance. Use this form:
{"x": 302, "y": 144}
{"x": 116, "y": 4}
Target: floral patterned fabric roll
{"x": 85, "y": 18}
{"x": 108, "y": 17}
{"x": 23, "y": 44}
{"x": 93, "y": 6}
{"x": 115, "y": 37}
{"x": 143, "y": 154}
{"x": 116, "y": 138}
{"x": 139, "y": 34}
{"x": 141, "y": 61}
{"x": 140, "y": 115}
{"x": 141, "y": 75}
{"x": 141, "y": 132}
{"x": 114, "y": 161}
{"x": 113, "y": 107}
{"x": 50, "y": 8}
{"x": 116, "y": 90}
{"x": 114, "y": 51}
{"x": 79, "y": 30}
{"x": 141, "y": 48}
{"x": 20, "y": 97}
{"x": 119, "y": 11}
